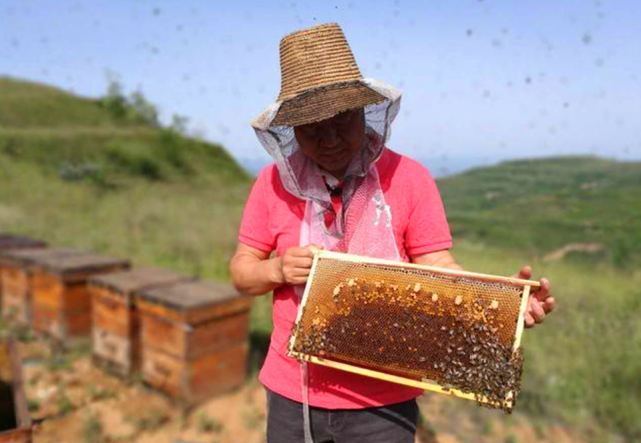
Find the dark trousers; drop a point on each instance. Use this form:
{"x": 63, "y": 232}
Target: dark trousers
{"x": 385, "y": 424}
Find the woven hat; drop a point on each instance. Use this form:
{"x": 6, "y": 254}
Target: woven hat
{"x": 319, "y": 77}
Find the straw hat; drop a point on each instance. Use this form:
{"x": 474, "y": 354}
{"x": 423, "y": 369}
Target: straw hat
{"x": 319, "y": 77}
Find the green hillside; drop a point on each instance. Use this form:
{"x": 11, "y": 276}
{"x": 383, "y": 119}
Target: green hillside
{"x": 102, "y": 174}
{"x": 539, "y": 206}
{"x": 101, "y": 140}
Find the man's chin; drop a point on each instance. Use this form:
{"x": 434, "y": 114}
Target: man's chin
{"x": 336, "y": 170}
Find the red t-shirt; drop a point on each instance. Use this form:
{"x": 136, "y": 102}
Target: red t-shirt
{"x": 271, "y": 221}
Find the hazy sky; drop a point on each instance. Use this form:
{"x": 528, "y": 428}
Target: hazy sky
{"x": 480, "y": 79}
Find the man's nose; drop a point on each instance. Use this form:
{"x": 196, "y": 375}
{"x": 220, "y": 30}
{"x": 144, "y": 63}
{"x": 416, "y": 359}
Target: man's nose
{"x": 328, "y": 136}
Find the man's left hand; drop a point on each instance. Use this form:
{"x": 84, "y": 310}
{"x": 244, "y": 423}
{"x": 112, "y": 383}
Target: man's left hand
{"x": 540, "y": 303}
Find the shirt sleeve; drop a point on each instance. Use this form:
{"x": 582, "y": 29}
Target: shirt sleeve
{"x": 427, "y": 229}
{"x": 254, "y": 226}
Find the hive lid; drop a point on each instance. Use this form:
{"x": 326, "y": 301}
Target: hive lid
{"x": 67, "y": 265}
{"x": 192, "y": 295}
{"x": 8, "y": 241}
{"x": 127, "y": 282}
{"x": 29, "y": 256}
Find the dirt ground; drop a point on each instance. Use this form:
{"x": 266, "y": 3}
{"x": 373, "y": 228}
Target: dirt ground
{"x": 73, "y": 401}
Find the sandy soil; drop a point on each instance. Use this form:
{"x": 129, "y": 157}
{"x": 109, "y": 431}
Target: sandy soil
{"x": 73, "y": 401}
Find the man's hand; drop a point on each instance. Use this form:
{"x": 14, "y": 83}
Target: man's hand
{"x": 540, "y": 303}
{"x": 296, "y": 264}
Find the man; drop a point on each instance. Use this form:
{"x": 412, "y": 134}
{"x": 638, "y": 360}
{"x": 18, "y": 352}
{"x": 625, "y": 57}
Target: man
{"x": 335, "y": 185}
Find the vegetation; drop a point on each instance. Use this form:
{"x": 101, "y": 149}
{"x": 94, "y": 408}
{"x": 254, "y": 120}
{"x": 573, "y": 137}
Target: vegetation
{"x": 92, "y": 430}
{"x": 102, "y": 175}
{"x": 539, "y": 206}
{"x": 115, "y": 184}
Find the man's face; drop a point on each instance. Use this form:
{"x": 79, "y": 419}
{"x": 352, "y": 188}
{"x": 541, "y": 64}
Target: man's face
{"x": 332, "y": 143}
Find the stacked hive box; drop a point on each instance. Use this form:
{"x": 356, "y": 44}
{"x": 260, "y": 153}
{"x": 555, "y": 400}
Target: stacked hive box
{"x": 116, "y": 342}
{"x": 194, "y": 339}
{"x": 10, "y": 243}
{"x": 61, "y": 300}
{"x": 17, "y": 267}
{"x": 15, "y": 424}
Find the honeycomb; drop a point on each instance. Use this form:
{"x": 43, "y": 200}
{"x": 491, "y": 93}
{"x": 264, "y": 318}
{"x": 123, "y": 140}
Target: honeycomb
{"x": 457, "y": 331}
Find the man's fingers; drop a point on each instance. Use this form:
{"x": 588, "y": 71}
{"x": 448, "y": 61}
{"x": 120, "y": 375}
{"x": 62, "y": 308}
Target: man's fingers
{"x": 537, "y": 311}
{"x": 298, "y": 281}
{"x": 301, "y": 262}
{"x": 549, "y": 304}
{"x": 299, "y": 272}
{"x": 544, "y": 291}
{"x": 524, "y": 273}
{"x": 529, "y": 321}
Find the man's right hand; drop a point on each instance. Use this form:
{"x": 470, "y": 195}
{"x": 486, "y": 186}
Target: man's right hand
{"x": 296, "y": 264}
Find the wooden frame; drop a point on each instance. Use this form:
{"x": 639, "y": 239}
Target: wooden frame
{"x": 426, "y": 384}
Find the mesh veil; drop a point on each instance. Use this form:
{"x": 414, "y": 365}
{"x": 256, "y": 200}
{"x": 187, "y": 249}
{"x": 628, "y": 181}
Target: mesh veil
{"x": 363, "y": 226}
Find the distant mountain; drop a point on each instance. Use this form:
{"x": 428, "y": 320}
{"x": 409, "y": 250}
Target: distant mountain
{"x": 543, "y": 205}
{"x": 438, "y": 167}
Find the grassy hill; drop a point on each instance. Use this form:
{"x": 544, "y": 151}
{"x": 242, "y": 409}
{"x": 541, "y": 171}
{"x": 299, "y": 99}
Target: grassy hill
{"x": 103, "y": 175}
{"x": 539, "y": 206}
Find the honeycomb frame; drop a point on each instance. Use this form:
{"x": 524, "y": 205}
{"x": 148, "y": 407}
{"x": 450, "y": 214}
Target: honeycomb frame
{"x": 511, "y": 335}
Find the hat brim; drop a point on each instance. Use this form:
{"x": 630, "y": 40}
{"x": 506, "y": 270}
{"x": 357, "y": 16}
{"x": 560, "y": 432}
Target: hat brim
{"x": 325, "y": 102}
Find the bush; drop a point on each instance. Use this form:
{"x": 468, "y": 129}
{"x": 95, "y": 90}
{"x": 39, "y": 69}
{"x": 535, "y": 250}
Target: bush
{"x": 171, "y": 148}
{"x": 134, "y": 109}
{"x": 134, "y": 158}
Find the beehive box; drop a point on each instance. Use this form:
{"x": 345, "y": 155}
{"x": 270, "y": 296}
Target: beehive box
{"x": 10, "y": 243}
{"x": 61, "y": 299}
{"x": 447, "y": 331}
{"x": 194, "y": 339}
{"x": 15, "y": 424}
{"x": 17, "y": 267}
{"x": 116, "y": 337}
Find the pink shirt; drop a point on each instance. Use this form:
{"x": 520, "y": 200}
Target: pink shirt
{"x": 271, "y": 221}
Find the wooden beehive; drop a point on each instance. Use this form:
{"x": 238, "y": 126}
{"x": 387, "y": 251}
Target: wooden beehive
{"x": 17, "y": 267}
{"x": 15, "y": 423}
{"x": 11, "y": 243}
{"x": 116, "y": 337}
{"x": 194, "y": 339}
{"x": 60, "y": 298}
{"x": 442, "y": 330}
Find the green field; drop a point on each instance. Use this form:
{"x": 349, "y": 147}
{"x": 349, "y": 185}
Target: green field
{"x": 105, "y": 177}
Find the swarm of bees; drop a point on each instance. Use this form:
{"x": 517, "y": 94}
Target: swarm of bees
{"x": 453, "y": 339}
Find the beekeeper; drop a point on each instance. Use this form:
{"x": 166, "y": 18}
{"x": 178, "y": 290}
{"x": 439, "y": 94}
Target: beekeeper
{"x": 334, "y": 184}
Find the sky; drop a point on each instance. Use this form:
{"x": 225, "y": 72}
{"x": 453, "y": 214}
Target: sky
{"x": 482, "y": 80}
